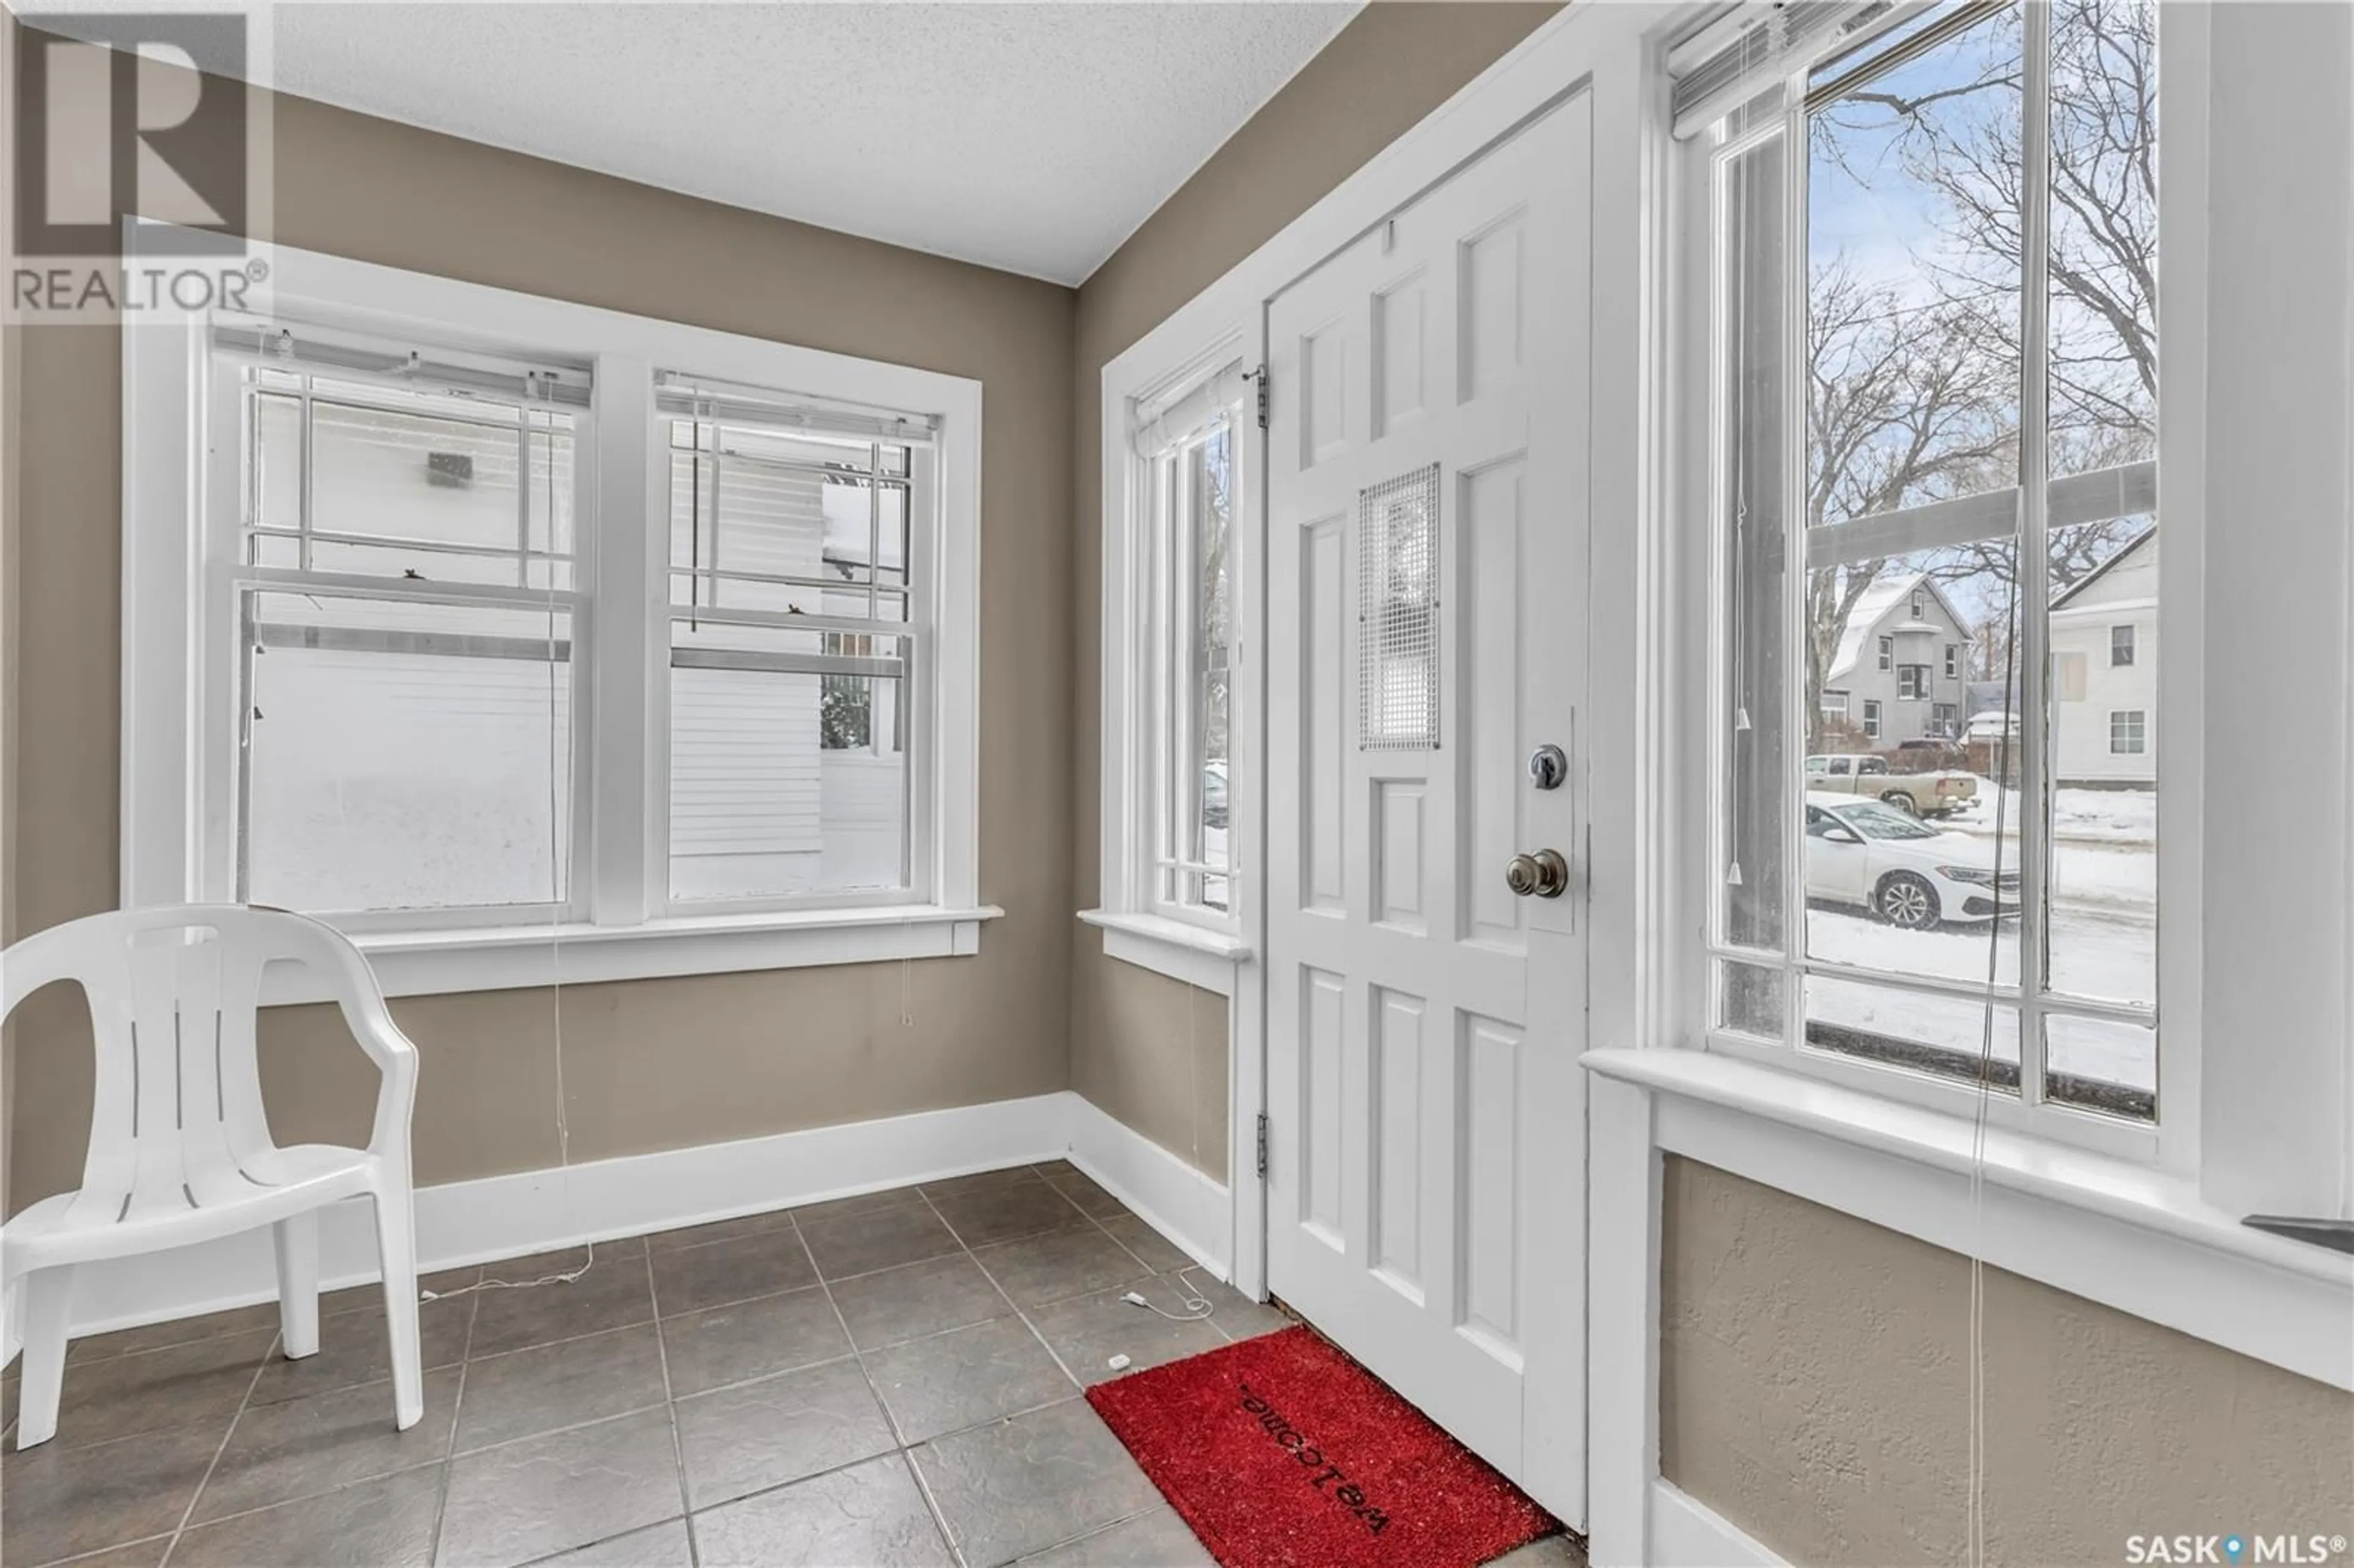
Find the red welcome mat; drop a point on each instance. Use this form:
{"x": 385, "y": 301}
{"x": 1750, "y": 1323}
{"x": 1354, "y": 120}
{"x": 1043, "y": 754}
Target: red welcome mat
{"x": 1283, "y": 1453}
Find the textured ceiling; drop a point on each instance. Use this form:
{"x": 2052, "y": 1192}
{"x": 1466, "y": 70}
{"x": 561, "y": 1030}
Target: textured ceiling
{"x": 1029, "y": 137}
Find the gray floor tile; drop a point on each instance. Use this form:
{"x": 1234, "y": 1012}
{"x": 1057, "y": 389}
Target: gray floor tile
{"x": 56, "y": 1501}
{"x": 978, "y": 1181}
{"x": 1059, "y": 1265}
{"x": 304, "y": 1446}
{"x": 147, "y": 1553}
{"x": 355, "y": 1348}
{"x": 1019, "y": 1485}
{"x": 920, "y": 1299}
{"x": 721, "y": 1230}
{"x": 1088, "y": 1330}
{"x": 1082, "y": 1190}
{"x": 687, "y": 1279}
{"x": 964, "y": 1378}
{"x": 615, "y": 1293}
{"x": 526, "y": 1392}
{"x": 546, "y": 1495}
{"x": 1050, "y": 1168}
{"x": 870, "y": 1514}
{"x": 384, "y": 1523}
{"x": 1156, "y": 1539}
{"x": 178, "y": 1331}
{"x": 751, "y": 1338}
{"x": 1008, "y": 1210}
{"x": 1562, "y": 1550}
{"x": 758, "y": 1435}
{"x": 206, "y": 1380}
{"x": 1153, "y": 1249}
{"x": 1237, "y": 1316}
{"x": 863, "y": 1204}
{"x": 860, "y": 1243}
{"x": 663, "y": 1545}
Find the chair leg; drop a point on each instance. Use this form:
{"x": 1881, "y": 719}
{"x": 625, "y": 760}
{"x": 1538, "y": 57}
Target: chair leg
{"x": 395, "y": 1235}
{"x": 297, "y": 1241}
{"x": 48, "y": 1297}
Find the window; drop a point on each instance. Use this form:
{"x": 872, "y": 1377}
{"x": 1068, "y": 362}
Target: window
{"x": 1937, "y": 210}
{"x": 462, "y": 688}
{"x": 1176, "y": 759}
{"x": 2128, "y": 732}
{"x": 796, "y": 623}
{"x": 2121, "y": 647}
{"x": 1835, "y": 704}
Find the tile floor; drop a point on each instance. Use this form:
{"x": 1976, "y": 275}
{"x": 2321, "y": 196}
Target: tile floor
{"x": 885, "y": 1379}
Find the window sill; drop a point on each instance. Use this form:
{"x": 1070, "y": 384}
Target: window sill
{"x": 1194, "y": 954}
{"x": 506, "y": 958}
{"x": 2131, "y": 1236}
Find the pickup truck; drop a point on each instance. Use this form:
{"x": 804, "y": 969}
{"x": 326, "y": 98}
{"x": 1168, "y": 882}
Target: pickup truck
{"x": 1938, "y": 794}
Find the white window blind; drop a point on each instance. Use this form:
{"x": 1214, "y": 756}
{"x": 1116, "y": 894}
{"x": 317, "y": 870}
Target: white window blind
{"x": 298, "y": 346}
{"x": 683, "y": 397}
{"x": 1163, "y": 425}
{"x": 1749, "y": 46}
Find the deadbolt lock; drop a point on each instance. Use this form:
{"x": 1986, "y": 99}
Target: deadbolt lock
{"x": 1544, "y": 875}
{"x": 1548, "y": 766}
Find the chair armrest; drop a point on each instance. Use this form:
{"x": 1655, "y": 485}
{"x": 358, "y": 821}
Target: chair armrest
{"x": 361, "y": 1000}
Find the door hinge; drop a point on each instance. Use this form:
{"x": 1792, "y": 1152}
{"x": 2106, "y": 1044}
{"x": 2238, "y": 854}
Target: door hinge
{"x": 1258, "y": 378}
{"x": 1262, "y": 1143}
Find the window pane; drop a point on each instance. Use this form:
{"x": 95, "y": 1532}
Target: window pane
{"x": 1951, "y": 1036}
{"x": 1749, "y": 999}
{"x": 1913, "y": 280}
{"x": 406, "y": 476}
{"x": 1754, "y": 636}
{"x": 787, "y": 777}
{"x": 405, "y": 755}
{"x": 2103, "y": 899}
{"x": 2103, "y": 247}
{"x": 2101, "y": 1064}
{"x": 274, "y": 483}
{"x": 1908, "y": 870}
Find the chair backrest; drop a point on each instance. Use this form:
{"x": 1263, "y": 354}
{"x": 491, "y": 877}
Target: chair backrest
{"x": 173, "y": 993}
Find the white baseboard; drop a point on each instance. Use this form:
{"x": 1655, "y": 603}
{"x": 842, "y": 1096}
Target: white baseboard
{"x": 1689, "y": 1535}
{"x": 1190, "y": 1209}
{"x": 510, "y": 1216}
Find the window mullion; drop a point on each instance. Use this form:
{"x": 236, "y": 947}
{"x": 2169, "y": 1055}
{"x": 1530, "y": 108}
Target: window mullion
{"x": 1795, "y": 720}
{"x": 2032, "y": 571}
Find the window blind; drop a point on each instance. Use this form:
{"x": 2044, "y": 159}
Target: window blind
{"x": 1748, "y": 47}
{"x": 1162, "y": 423}
{"x": 683, "y": 396}
{"x": 297, "y": 346}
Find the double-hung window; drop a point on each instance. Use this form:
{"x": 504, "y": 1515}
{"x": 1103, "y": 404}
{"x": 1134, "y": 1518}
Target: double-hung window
{"x": 1932, "y": 340}
{"x": 483, "y": 625}
{"x": 396, "y": 598}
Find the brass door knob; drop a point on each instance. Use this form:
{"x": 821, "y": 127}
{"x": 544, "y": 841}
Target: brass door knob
{"x": 1544, "y": 875}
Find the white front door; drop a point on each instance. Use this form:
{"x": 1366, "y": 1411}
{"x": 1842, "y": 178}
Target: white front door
{"x": 1428, "y": 467}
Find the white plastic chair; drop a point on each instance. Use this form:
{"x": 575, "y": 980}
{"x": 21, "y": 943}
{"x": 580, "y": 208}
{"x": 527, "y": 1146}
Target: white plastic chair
{"x": 179, "y": 1147}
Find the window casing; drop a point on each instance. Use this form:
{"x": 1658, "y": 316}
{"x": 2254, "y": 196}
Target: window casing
{"x": 2039, "y": 439}
{"x": 398, "y": 647}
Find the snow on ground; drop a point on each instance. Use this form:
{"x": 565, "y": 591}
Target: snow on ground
{"x": 2114, "y": 816}
{"x": 2110, "y": 955}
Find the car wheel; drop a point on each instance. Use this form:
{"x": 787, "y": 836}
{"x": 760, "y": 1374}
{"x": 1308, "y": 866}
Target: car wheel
{"x": 1906, "y": 901}
{"x": 1902, "y": 801}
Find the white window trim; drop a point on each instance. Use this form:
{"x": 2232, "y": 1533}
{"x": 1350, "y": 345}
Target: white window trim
{"x": 622, "y": 884}
{"x": 1186, "y": 943}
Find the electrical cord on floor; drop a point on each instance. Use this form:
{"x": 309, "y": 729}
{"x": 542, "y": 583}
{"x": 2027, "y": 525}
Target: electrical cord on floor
{"x": 1197, "y": 1305}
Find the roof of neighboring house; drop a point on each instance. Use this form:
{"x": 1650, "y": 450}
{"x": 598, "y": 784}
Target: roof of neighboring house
{"x": 2097, "y": 573}
{"x": 1873, "y": 608}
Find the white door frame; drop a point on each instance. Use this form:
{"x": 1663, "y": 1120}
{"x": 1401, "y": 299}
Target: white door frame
{"x": 1618, "y": 48}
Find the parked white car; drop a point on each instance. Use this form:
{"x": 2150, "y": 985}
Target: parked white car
{"x": 1871, "y": 855}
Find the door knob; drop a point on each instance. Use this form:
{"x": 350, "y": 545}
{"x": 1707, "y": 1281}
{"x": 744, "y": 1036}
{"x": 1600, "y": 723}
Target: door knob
{"x": 1544, "y": 875}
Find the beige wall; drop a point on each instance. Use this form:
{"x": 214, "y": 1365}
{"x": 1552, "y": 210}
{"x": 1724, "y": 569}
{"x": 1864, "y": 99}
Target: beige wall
{"x": 1814, "y": 1390}
{"x": 647, "y": 1065}
{"x": 1144, "y": 1048}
